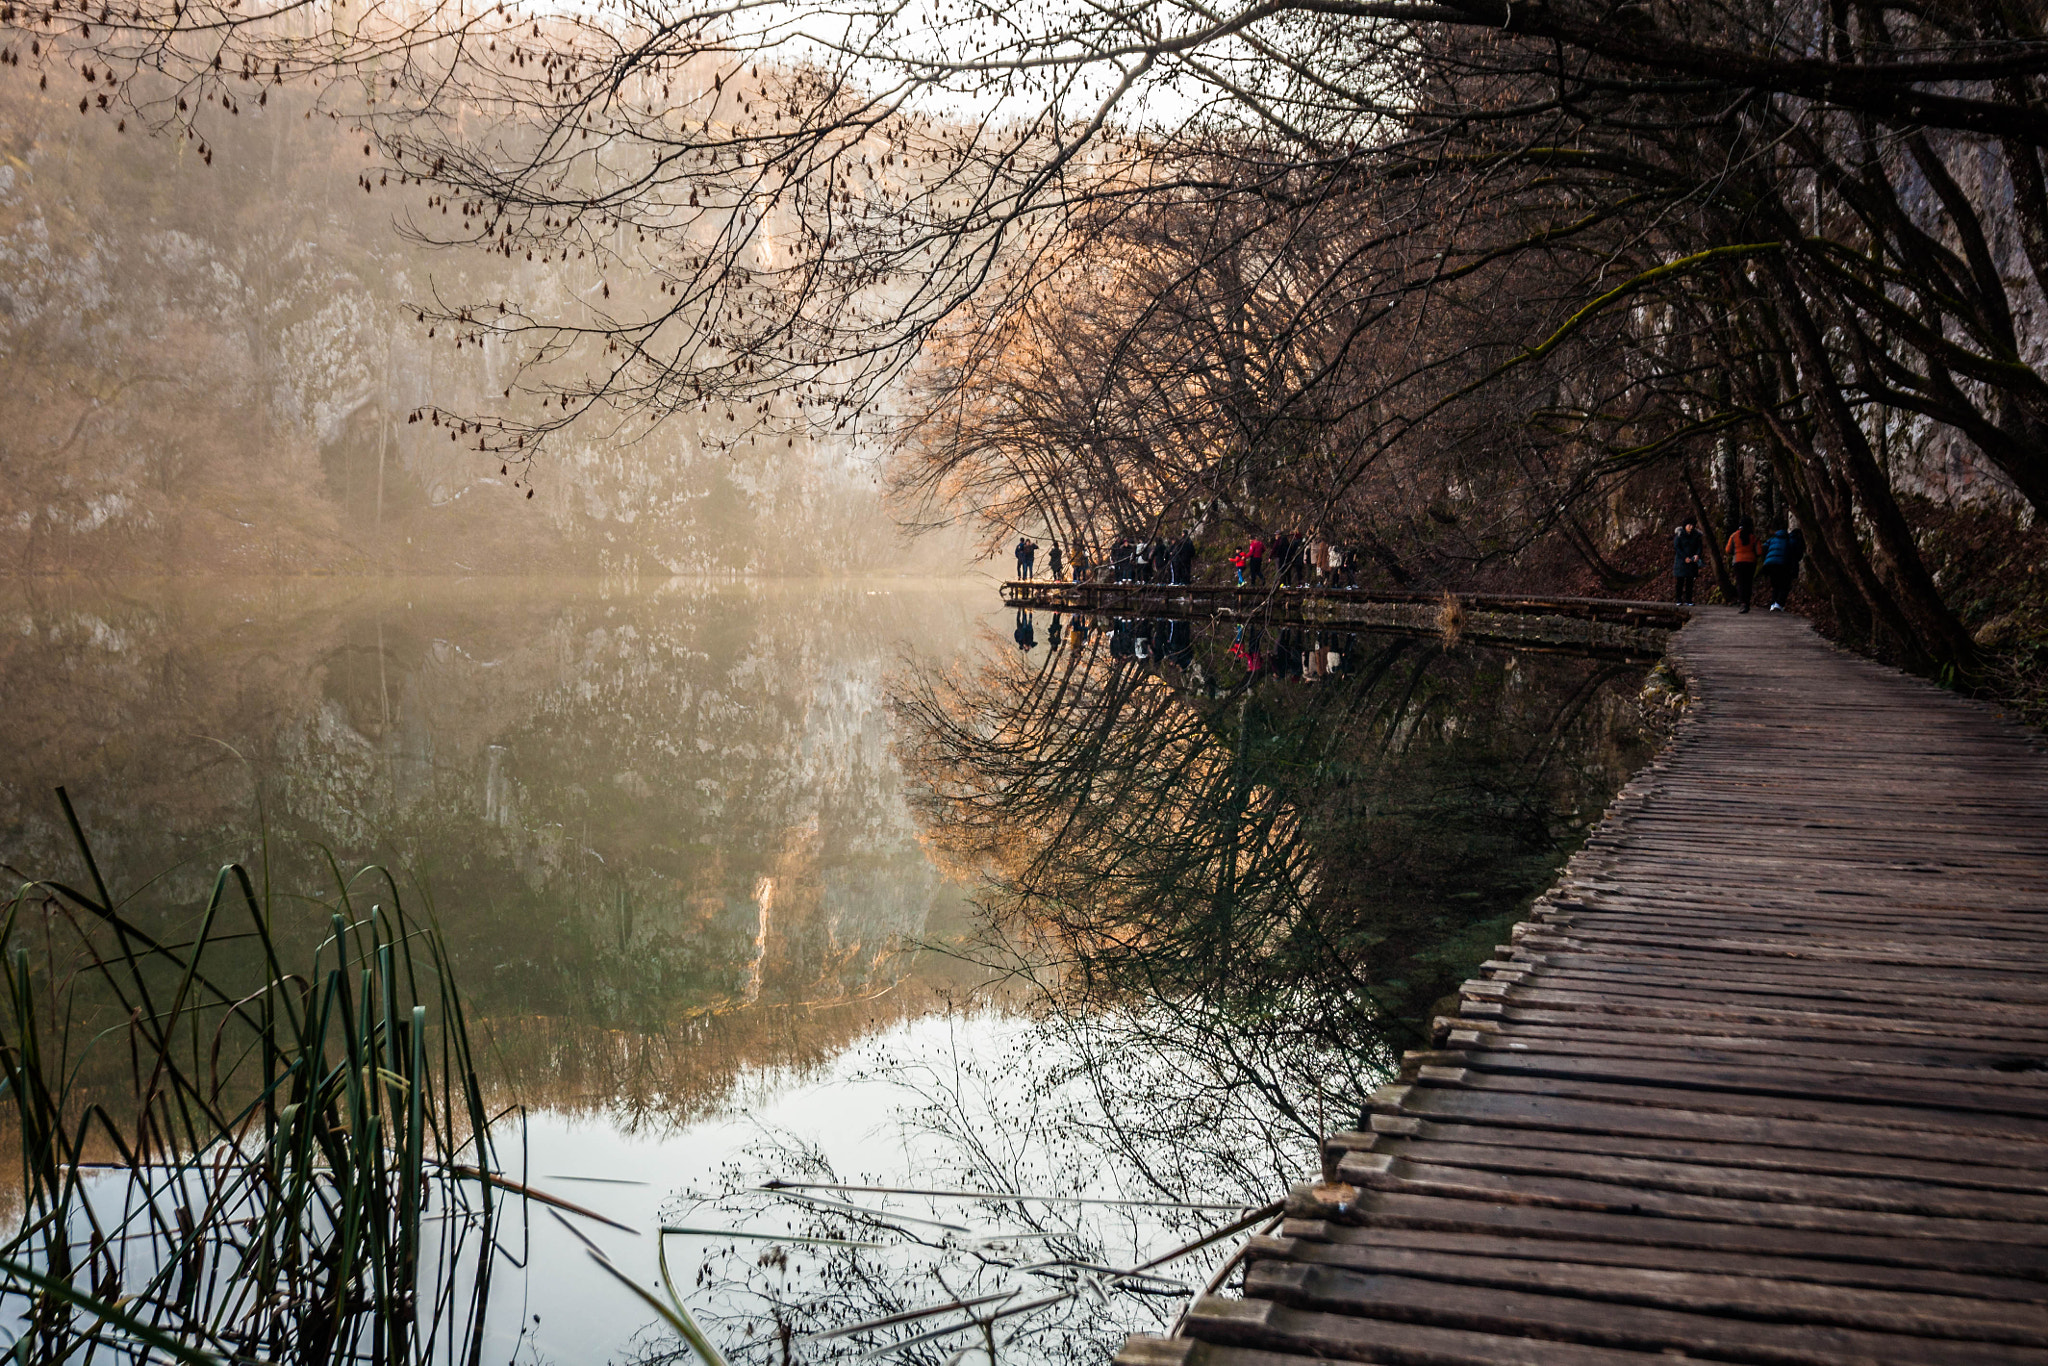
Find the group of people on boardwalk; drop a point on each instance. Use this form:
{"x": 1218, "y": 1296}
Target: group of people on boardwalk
{"x": 1155, "y": 560}
{"x": 1297, "y": 561}
{"x": 1130, "y": 560}
{"x": 1778, "y": 555}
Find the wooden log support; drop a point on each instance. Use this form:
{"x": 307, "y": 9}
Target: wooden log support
{"x": 1764, "y": 1078}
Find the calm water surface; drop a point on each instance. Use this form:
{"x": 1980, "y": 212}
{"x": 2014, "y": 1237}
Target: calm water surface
{"x": 857, "y": 882}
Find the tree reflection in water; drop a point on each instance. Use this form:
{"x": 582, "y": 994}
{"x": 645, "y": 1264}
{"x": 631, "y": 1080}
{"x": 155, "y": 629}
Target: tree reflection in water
{"x": 1241, "y": 866}
{"x": 1236, "y": 870}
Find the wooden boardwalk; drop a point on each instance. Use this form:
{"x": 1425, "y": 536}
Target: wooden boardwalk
{"x": 1763, "y": 1079}
{"x": 1224, "y": 599}
{"x": 1598, "y": 626}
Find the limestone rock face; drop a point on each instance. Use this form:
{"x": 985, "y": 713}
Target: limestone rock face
{"x": 215, "y": 367}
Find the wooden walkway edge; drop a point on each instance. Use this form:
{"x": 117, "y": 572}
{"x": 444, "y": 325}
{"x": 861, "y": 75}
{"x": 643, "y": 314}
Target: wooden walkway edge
{"x": 1764, "y": 1078}
{"x": 1598, "y": 626}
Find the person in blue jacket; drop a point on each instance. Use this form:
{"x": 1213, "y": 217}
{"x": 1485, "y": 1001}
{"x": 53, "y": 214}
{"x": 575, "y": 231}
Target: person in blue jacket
{"x": 1782, "y": 554}
{"x": 1688, "y": 548}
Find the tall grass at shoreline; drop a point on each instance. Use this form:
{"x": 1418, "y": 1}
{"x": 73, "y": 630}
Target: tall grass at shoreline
{"x": 231, "y": 1151}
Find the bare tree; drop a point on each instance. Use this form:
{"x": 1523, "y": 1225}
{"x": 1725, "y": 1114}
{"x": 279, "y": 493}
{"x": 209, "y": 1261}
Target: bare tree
{"x": 1527, "y": 249}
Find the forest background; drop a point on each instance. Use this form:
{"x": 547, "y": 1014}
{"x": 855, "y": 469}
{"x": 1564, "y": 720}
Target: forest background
{"x": 1500, "y": 290}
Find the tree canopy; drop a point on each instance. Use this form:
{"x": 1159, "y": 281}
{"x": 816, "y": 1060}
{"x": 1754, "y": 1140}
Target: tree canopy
{"x": 1487, "y": 283}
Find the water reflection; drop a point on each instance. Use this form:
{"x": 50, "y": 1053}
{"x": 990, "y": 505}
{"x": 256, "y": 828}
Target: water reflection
{"x": 680, "y": 839}
{"x": 661, "y": 829}
{"x": 1244, "y": 865}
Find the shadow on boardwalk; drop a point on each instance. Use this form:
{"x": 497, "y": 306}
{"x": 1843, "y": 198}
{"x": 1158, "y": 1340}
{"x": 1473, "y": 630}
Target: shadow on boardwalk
{"x": 1763, "y": 1079}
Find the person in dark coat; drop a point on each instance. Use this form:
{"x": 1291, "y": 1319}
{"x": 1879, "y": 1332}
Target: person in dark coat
{"x": 1688, "y": 547}
{"x": 1781, "y": 564}
{"x": 1183, "y": 560}
{"x": 1120, "y": 560}
{"x": 1027, "y": 551}
{"x": 1052, "y": 561}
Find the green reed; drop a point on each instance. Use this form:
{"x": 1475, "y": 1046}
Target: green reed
{"x": 232, "y": 1152}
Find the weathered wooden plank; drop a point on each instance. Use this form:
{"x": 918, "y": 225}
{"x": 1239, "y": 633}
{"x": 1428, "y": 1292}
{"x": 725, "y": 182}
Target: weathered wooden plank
{"x": 1641, "y": 1329}
{"x": 1405, "y": 1176}
{"x": 1698, "y": 1175}
{"x": 1758, "y": 1023}
{"x": 1997, "y": 1094}
{"x": 1693, "y": 1290}
{"x": 1537, "y": 1222}
{"x": 1391, "y": 1342}
{"x": 1763, "y": 1266}
{"x": 1676, "y": 1122}
{"x": 1340, "y": 1337}
{"x": 1961, "y": 1061}
{"x": 1994, "y": 1181}
{"x": 1925, "y": 1119}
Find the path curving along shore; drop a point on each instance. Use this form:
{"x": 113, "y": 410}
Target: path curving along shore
{"x": 1764, "y": 1078}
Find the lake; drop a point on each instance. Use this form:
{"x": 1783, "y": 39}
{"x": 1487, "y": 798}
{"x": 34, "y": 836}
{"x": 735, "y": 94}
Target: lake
{"x": 868, "y": 884}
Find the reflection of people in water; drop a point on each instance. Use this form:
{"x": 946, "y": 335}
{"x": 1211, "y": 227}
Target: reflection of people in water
{"x": 1026, "y": 635}
{"x": 1246, "y": 648}
{"x": 1120, "y": 638}
{"x": 1180, "y": 644}
{"x": 1286, "y": 658}
{"x": 1078, "y": 628}
{"x": 1052, "y": 631}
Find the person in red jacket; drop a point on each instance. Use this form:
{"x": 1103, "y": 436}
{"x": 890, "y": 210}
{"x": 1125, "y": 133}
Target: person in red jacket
{"x": 1743, "y": 548}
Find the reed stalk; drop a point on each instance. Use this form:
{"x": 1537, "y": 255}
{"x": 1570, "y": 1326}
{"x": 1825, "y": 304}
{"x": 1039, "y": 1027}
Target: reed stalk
{"x": 278, "y": 1129}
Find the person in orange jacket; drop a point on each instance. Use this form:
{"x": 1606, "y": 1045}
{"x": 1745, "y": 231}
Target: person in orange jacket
{"x": 1742, "y": 553}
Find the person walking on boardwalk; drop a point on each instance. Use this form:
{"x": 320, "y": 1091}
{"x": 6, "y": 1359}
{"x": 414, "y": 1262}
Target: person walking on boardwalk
{"x": 1027, "y": 551}
{"x": 1781, "y": 563}
{"x": 1255, "y": 561}
{"x": 1141, "y": 561}
{"x": 1052, "y": 562}
{"x": 1293, "y": 572}
{"x": 1080, "y": 562}
{"x": 1742, "y": 554}
{"x": 1183, "y": 560}
{"x": 1687, "y": 548}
